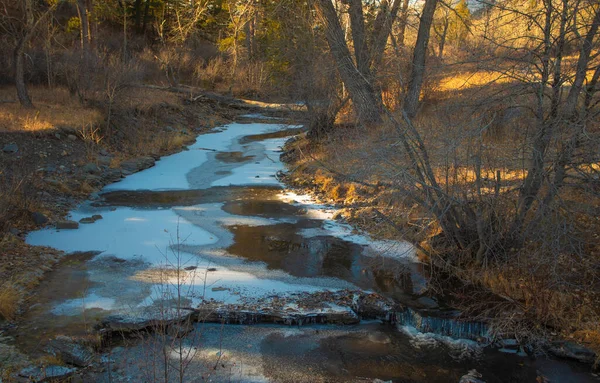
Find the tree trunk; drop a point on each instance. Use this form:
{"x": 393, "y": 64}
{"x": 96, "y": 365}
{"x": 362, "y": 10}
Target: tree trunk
{"x": 403, "y": 22}
{"x": 85, "y": 29}
{"x": 442, "y": 37}
{"x": 137, "y": 6}
{"x": 383, "y": 29}
{"x": 30, "y": 27}
{"x": 357, "y": 27}
{"x": 411, "y": 100}
{"x": 366, "y": 106}
{"x": 582, "y": 65}
{"x": 145, "y": 18}
{"x": 22, "y": 93}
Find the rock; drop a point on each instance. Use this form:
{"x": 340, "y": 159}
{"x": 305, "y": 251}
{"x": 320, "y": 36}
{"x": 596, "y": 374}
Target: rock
{"x": 14, "y": 231}
{"x": 50, "y": 169}
{"x": 10, "y": 357}
{"x": 153, "y": 318}
{"x": 137, "y": 164}
{"x": 57, "y": 135}
{"x": 47, "y": 374}
{"x": 471, "y": 377}
{"x": 571, "y": 350}
{"x": 90, "y": 168}
{"x": 103, "y": 152}
{"x": 72, "y": 137}
{"x": 104, "y": 160}
{"x": 67, "y": 224}
{"x": 427, "y": 303}
{"x": 55, "y": 183}
{"x": 289, "y": 314}
{"x": 39, "y": 218}
{"x": 93, "y": 180}
{"x": 70, "y": 351}
{"x": 64, "y": 153}
{"x": 112, "y": 175}
{"x": 91, "y": 219}
{"x": 10, "y": 148}
{"x": 216, "y": 289}
{"x": 373, "y": 306}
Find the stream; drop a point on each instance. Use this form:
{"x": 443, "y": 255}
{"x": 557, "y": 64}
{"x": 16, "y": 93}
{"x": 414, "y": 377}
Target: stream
{"x": 214, "y": 225}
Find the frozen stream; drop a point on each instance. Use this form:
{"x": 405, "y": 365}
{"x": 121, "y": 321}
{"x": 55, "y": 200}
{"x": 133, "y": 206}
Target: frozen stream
{"x": 213, "y": 223}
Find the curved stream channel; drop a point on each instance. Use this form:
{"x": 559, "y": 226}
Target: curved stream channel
{"x": 213, "y": 224}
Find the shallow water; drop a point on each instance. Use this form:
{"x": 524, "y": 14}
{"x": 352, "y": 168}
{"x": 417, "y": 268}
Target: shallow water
{"x": 217, "y": 213}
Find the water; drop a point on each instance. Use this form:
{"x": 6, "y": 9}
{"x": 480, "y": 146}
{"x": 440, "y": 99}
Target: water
{"x": 214, "y": 223}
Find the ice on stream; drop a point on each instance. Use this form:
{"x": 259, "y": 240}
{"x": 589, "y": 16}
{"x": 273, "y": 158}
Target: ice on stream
{"x": 155, "y": 237}
{"x": 260, "y": 172}
{"x": 170, "y": 172}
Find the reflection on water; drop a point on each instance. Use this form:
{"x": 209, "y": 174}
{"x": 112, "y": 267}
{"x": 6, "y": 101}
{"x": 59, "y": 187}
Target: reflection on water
{"x": 281, "y": 246}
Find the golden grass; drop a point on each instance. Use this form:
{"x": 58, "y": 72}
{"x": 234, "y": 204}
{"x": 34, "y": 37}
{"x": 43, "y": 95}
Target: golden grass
{"x": 10, "y": 298}
{"x": 472, "y": 79}
{"x": 54, "y": 108}
{"x": 480, "y": 78}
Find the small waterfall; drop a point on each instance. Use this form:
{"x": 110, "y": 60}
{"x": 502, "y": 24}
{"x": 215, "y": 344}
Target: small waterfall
{"x": 448, "y": 326}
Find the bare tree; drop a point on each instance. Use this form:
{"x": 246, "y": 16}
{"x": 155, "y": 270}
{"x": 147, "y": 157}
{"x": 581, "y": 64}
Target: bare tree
{"x": 356, "y": 72}
{"x": 30, "y": 25}
{"x": 411, "y": 99}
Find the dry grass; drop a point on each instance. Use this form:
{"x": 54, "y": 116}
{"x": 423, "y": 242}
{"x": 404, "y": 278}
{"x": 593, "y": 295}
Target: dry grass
{"x": 10, "y": 298}
{"x": 53, "y": 109}
{"x": 545, "y": 289}
{"x": 466, "y": 80}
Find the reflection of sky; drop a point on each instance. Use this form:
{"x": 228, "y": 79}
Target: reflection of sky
{"x": 264, "y": 169}
{"x": 170, "y": 172}
{"x": 91, "y": 301}
{"x": 126, "y": 233}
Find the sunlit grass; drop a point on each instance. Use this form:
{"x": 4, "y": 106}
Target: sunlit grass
{"x": 468, "y": 80}
{"x": 54, "y": 108}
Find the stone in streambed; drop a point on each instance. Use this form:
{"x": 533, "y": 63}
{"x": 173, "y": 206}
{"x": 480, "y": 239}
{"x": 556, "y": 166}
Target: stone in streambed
{"x": 112, "y": 175}
{"x": 471, "y": 377}
{"x": 47, "y": 374}
{"x": 137, "y": 164}
{"x": 68, "y": 225}
{"x": 154, "y": 318}
{"x": 39, "y": 218}
{"x": 92, "y": 219}
{"x": 571, "y": 350}
{"x": 288, "y": 314}
{"x": 70, "y": 351}
{"x": 427, "y": 303}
